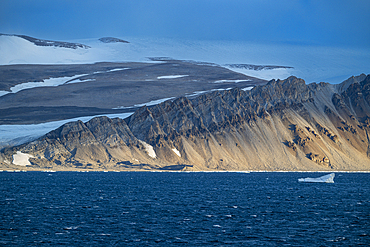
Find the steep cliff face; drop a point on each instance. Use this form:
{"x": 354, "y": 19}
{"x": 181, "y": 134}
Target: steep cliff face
{"x": 284, "y": 125}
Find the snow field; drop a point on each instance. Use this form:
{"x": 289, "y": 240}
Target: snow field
{"x": 51, "y": 82}
{"x": 312, "y": 63}
{"x": 149, "y": 149}
{"x": 171, "y": 76}
{"x": 21, "y": 159}
{"x": 176, "y": 152}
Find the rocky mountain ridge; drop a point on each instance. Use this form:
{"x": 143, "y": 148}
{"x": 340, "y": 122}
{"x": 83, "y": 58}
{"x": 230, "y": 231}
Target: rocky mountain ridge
{"x": 283, "y": 125}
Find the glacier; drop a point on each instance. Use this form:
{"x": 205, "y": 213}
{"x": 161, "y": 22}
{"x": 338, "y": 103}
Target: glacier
{"x": 314, "y": 63}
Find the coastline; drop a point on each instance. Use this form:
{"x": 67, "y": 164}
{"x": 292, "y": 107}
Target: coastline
{"x": 249, "y": 171}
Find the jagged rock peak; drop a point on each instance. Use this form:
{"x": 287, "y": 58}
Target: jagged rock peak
{"x": 353, "y": 79}
{"x": 97, "y": 129}
{"x": 289, "y": 86}
{"x": 289, "y": 90}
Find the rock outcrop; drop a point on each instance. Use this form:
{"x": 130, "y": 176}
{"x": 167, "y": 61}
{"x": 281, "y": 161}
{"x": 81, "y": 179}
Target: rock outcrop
{"x": 42, "y": 42}
{"x": 283, "y": 125}
{"x": 112, "y": 40}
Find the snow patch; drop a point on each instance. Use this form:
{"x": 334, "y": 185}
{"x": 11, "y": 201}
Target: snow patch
{"x": 149, "y": 149}
{"x": 247, "y": 88}
{"x": 51, "y": 82}
{"x": 266, "y": 74}
{"x": 150, "y": 103}
{"x": 21, "y": 159}
{"x": 118, "y": 69}
{"x": 2, "y": 93}
{"x": 171, "y": 76}
{"x": 235, "y": 81}
{"x": 154, "y": 102}
{"x": 196, "y": 93}
{"x": 79, "y": 80}
{"x": 176, "y": 152}
{"x": 112, "y": 70}
{"x": 221, "y": 89}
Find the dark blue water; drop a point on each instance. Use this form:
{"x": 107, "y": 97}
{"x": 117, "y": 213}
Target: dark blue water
{"x": 191, "y": 209}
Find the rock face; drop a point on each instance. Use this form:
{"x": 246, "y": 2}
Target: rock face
{"x": 284, "y": 125}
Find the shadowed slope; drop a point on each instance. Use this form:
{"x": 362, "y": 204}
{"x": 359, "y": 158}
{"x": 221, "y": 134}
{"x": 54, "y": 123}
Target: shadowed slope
{"x": 284, "y": 125}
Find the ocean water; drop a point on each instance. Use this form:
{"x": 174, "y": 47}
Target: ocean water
{"x": 189, "y": 209}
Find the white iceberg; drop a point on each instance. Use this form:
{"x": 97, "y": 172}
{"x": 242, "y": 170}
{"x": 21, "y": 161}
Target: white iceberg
{"x": 324, "y": 179}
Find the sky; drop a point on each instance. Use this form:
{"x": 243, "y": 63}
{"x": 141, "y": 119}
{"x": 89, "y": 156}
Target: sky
{"x": 310, "y": 22}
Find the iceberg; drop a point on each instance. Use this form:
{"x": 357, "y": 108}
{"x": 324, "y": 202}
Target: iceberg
{"x": 324, "y": 179}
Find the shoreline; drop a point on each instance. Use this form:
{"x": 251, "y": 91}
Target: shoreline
{"x": 251, "y": 171}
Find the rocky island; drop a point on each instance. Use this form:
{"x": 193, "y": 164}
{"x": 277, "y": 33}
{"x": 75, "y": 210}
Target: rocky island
{"x": 284, "y": 125}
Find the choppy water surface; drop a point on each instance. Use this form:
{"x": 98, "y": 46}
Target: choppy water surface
{"x": 193, "y": 209}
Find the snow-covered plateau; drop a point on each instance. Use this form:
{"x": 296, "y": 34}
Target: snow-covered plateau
{"x": 276, "y": 61}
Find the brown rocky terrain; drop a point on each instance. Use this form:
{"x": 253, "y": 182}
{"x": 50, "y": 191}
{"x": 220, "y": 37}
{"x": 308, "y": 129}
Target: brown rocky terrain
{"x": 285, "y": 125}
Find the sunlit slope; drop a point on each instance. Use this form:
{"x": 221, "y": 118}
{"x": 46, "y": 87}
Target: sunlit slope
{"x": 284, "y": 125}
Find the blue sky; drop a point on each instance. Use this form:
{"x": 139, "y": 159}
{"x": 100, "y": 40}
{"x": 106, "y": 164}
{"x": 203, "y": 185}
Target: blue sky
{"x": 321, "y": 22}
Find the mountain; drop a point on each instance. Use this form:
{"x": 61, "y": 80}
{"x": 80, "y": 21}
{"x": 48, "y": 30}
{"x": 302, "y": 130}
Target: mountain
{"x": 180, "y": 113}
{"x": 283, "y": 125}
